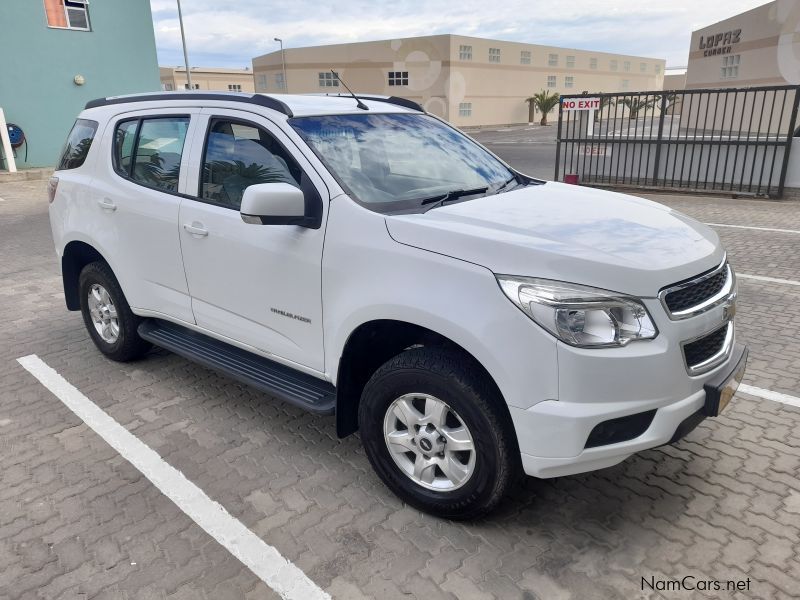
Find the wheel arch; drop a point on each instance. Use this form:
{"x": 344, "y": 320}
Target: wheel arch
{"x": 77, "y": 254}
{"x": 373, "y": 343}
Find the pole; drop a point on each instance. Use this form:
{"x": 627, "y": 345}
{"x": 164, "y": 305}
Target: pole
{"x": 283, "y": 60}
{"x": 185, "y": 53}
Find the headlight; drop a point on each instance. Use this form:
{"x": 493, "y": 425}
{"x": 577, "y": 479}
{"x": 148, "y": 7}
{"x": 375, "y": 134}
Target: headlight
{"x": 579, "y": 315}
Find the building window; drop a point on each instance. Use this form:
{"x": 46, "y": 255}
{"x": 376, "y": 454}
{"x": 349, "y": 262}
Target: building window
{"x": 68, "y": 14}
{"x": 280, "y": 82}
{"x": 626, "y": 66}
{"x": 465, "y": 109}
{"x": 261, "y": 82}
{"x": 658, "y": 69}
{"x": 570, "y": 62}
{"x": 234, "y": 87}
{"x": 525, "y": 57}
{"x": 569, "y": 82}
{"x": 643, "y": 67}
{"x": 730, "y": 66}
{"x": 328, "y": 79}
{"x": 494, "y": 55}
{"x": 552, "y": 60}
{"x": 195, "y": 86}
{"x": 626, "y": 83}
{"x": 551, "y": 81}
{"x": 465, "y": 52}
{"x": 614, "y": 65}
{"x": 593, "y": 63}
{"x": 167, "y": 87}
{"x": 398, "y": 77}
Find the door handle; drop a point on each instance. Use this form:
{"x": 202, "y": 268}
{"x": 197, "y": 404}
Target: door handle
{"x": 195, "y": 229}
{"x": 107, "y": 204}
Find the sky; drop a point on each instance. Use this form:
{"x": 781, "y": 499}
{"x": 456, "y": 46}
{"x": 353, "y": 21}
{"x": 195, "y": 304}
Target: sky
{"x": 230, "y": 34}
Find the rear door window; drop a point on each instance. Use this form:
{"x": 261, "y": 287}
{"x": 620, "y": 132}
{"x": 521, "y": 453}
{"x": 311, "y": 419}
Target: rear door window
{"x": 148, "y": 151}
{"x": 78, "y": 143}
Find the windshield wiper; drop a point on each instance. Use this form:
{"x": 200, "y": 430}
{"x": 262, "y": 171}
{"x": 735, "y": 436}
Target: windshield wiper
{"x": 504, "y": 185}
{"x": 440, "y": 199}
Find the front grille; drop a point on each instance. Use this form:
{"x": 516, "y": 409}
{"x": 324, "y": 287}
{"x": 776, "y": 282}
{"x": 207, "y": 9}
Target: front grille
{"x": 705, "y": 347}
{"x": 696, "y": 293}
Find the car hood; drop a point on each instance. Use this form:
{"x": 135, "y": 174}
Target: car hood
{"x": 569, "y": 233}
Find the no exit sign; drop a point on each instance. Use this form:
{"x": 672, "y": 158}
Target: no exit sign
{"x": 581, "y": 103}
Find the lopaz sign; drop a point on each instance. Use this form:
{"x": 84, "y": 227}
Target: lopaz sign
{"x": 580, "y": 104}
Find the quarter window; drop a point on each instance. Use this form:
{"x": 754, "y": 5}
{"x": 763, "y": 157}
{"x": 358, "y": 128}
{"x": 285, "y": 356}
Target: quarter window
{"x": 494, "y": 55}
{"x": 78, "y": 143}
{"x": 238, "y": 155}
{"x": 328, "y": 79}
{"x": 465, "y": 52}
{"x": 398, "y": 77}
{"x": 149, "y": 151}
{"x": 525, "y": 57}
{"x": 68, "y": 14}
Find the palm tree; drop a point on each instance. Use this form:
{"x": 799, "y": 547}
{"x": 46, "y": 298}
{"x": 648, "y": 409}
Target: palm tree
{"x": 544, "y": 102}
{"x": 604, "y": 101}
{"x": 637, "y": 104}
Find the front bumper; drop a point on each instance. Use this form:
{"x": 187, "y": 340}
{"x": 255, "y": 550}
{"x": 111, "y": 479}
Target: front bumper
{"x": 566, "y": 425}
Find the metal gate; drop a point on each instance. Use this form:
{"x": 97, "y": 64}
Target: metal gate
{"x": 733, "y": 140}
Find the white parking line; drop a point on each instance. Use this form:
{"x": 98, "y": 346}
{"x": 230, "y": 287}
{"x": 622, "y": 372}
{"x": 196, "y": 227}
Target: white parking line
{"x": 754, "y": 228}
{"x": 768, "y": 279}
{"x": 770, "y": 395}
{"x": 262, "y": 559}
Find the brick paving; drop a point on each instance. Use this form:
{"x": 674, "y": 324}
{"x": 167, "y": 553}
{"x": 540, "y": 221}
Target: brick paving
{"x": 77, "y": 521}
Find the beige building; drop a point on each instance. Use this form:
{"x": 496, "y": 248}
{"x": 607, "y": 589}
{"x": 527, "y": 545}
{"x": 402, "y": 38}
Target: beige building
{"x": 207, "y": 78}
{"x": 755, "y": 48}
{"x": 466, "y": 80}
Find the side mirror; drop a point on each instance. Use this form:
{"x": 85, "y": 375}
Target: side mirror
{"x": 273, "y": 204}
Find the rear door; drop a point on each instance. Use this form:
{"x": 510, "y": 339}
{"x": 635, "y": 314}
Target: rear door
{"x": 136, "y": 200}
{"x": 257, "y": 285}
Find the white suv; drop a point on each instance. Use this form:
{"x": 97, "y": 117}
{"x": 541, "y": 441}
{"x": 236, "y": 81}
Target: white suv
{"x": 364, "y": 258}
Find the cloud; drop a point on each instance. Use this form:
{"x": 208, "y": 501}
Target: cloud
{"x": 232, "y": 33}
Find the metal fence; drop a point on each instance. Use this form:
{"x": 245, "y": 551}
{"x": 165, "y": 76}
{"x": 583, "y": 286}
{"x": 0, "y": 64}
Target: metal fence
{"x": 734, "y": 140}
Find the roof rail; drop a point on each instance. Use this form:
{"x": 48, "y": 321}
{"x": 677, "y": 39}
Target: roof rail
{"x": 396, "y": 100}
{"x": 259, "y": 99}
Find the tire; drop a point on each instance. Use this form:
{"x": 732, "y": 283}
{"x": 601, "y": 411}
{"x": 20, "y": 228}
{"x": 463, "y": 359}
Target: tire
{"x": 121, "y": 343}
{"x": 426, "y": 375}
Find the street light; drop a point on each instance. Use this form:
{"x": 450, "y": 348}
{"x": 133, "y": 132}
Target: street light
{"x": 185, "y": 54}
{"x": 283, "y": 60}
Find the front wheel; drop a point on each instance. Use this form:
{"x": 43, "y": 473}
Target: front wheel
{"x": 435, "y": 431}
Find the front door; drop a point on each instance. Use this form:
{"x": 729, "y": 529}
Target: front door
{"x": 259, "y": 285}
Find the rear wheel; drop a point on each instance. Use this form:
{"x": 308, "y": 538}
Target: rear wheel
{"x": 435, "y": 432}
{"x": 107, "y": 315}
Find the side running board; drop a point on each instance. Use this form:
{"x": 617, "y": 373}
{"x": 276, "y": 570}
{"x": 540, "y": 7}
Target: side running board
{"x": 277, "y": 380}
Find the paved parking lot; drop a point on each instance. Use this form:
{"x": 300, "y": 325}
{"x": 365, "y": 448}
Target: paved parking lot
{"x": 79, "y": 521}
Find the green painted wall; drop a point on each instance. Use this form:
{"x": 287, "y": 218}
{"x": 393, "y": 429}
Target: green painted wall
{"x": 38, "y": 64}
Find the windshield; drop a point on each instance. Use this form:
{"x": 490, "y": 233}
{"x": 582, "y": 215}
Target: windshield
{"x": 396, "y": 161}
